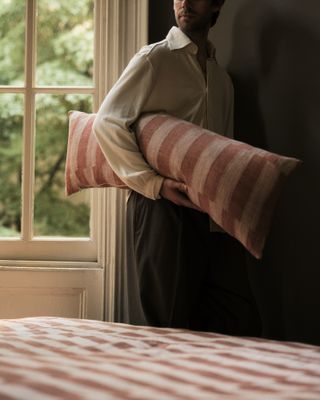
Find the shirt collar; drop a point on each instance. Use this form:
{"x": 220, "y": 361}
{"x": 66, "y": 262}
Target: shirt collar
{"x": 179, "y": 40}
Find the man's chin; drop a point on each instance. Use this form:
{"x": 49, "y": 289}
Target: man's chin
{"x": 189, "y": 28}
{"x": 186, "y": 25}
{"x": 190, "y": 25}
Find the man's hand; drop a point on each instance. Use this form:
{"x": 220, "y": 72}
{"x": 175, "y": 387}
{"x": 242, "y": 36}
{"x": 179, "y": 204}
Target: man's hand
{"x": 177, "y": 193}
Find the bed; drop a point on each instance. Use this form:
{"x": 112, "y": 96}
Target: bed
{"x": 47, "y": 358}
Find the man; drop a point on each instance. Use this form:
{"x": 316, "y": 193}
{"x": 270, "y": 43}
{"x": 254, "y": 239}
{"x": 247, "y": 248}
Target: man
{"x": 182, "y": 271}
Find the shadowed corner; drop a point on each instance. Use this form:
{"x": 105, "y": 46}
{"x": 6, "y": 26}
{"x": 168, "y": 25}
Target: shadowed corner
{"x": 275, "y": 68}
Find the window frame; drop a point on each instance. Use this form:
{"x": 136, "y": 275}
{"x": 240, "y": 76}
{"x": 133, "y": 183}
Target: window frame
{"x": 27, "y": 246}
{"x": 115, "y": 43}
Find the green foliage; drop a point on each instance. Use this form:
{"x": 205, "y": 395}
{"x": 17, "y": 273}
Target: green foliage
{"x": 10, "y": 166}
{"x": 12, "y": 29}
{"x": 64, "y": 57}
{"x": 58, "y": 218}
{"x": 67, "y": 26}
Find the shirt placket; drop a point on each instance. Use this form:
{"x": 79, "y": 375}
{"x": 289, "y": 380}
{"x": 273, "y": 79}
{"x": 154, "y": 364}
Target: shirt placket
{"x": 204, "y": 85}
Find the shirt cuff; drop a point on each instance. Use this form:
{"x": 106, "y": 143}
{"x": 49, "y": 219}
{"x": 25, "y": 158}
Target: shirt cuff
{"x": 157, "y": 187}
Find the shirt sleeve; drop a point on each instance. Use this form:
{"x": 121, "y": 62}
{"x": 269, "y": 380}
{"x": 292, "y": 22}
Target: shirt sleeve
{"x": 121, "y": 107}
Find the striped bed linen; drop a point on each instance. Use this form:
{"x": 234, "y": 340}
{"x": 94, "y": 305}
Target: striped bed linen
{"x": 47, "y": 358}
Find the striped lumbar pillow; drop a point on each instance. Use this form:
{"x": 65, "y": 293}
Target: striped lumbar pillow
{"x": 86, "y": 165}
{"x": 235, "y": 183}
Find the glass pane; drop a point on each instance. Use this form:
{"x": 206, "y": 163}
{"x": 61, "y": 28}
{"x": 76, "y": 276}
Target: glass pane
{"x": 11, "y": 120}
{"x": 54, "y": 213}
{"x": 65, "y": 42}
{"x": 12, "y": 27}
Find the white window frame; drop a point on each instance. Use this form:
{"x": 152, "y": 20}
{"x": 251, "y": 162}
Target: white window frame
{"x": 27, "y": 247}
{"x": 116, "y": 41}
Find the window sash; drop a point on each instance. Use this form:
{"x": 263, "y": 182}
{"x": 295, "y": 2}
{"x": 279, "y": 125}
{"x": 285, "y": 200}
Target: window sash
{"x": 28, "y": 247}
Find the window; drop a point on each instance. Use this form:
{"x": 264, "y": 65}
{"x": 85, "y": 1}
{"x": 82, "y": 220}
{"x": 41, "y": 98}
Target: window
{"x": 47, "y": 48}
{"x": 46, "y": 69}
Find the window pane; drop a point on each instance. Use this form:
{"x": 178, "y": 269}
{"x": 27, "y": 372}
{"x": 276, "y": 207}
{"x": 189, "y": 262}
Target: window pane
{"x": 11, "y": 117}
{"x": 54, "y": 213}
{"x": 65, "y": 42}
{"x": 12, "y": 27}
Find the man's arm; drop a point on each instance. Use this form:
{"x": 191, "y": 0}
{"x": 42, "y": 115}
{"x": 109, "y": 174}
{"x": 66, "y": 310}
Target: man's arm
{"x": 121, "y": 107}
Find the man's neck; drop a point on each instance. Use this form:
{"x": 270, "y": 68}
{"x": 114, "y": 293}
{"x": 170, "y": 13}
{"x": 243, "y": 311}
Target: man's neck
{"x": 200, "y": 38}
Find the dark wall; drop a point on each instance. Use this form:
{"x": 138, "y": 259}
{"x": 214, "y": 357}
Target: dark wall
{"x": 161, "y": 19}
{"x": 271, "y": 50}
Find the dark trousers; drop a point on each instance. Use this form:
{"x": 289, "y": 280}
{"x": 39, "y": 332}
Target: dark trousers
{"x": 182, "y": 275}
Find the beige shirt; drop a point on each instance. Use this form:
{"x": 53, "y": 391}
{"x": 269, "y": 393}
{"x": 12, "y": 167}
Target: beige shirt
{"x": 164, "y": 76}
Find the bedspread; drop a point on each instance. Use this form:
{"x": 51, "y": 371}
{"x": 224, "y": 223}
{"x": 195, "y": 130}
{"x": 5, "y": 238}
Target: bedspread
{"x": 47, "y": 358}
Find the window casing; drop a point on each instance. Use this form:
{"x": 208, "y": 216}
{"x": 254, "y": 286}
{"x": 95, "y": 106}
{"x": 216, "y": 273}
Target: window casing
{"x": 120, "y": 29}
{"x": 28, "y": 246}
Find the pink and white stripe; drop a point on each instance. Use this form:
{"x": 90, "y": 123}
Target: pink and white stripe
{"x": 86, "y": 165}
{"x": 235, "y": 183}
{"x": 55, "y": 358}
